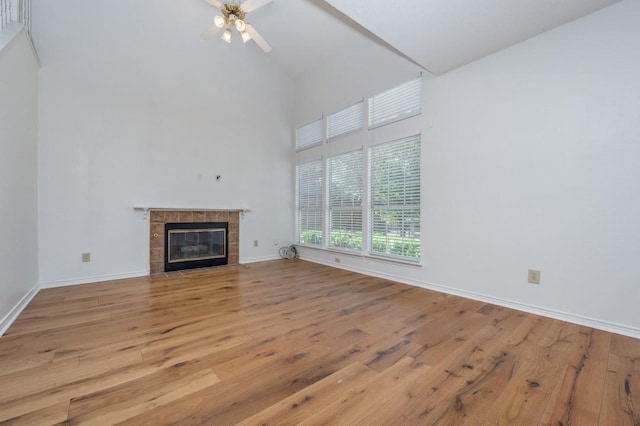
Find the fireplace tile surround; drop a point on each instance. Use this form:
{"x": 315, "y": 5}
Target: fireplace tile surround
{"x": 158, "y": 218}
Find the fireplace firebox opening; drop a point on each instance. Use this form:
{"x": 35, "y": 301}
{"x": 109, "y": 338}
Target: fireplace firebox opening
{"x": 195, "y": 245}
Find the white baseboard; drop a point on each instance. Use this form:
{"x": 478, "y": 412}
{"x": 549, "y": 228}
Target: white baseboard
{"x": 95, "y": 279}
{"x": 538, "y": 310}
{"x": 13, "y": 313}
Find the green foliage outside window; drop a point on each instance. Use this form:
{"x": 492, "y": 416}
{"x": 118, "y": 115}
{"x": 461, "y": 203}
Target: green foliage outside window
{"x": 311, "y": 237}
{"x": 381, "y": 243}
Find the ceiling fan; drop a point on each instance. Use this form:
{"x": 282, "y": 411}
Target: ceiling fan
{"x": 233, "y": 14}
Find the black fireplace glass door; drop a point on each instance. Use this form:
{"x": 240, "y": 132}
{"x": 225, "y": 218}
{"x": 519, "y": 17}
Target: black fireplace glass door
{"x": 195, "y": 245}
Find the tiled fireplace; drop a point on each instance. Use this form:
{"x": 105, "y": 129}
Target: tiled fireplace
{"x": 159, "y": 218}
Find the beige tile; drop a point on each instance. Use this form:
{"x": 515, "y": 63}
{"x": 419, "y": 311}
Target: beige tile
{"x": 233, "y": 248}
{"x": 185, "y": 217}
{"x": 220, "y": 217}
{"x": 234, "y": 237}
{"x": 157, "y": 255}
{"x": 156, "y": 267}
{"x": 156, "y": 217}
{"x": 233, "y": 228}
{"x": 157, "y": 243}
{"x": 199, "y": 216}
{"x": 156, "y": 228}
{"x": 172, "y": 216}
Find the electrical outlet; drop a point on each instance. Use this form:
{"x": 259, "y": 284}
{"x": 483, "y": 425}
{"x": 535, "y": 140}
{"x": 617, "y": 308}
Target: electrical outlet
{"x": 255, "y": 243}
{"x": 534, "y": 276}
{"x": 86, "y": 257}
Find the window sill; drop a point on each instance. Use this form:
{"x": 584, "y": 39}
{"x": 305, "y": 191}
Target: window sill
{"x": 378, "y": 258}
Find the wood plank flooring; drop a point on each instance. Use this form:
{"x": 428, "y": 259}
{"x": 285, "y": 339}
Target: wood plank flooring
{"x": 292, "y": 342}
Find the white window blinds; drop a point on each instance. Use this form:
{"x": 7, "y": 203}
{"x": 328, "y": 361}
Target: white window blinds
{"x": 345, "y": 121}
{"x": 395, "y": 199}
{"x": 395, "y": 104}
{"x": 309, "y": 203}
{"x": 345, "y": 201}
{"x": 310, "y": 135}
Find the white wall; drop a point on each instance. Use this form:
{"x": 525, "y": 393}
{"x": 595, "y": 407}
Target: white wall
{"x": 529, "y": 161}
{"x": 136, "y": 109}
{"x": 18, "y": 176}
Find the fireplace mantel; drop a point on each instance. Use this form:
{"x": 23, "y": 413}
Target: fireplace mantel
{"x": 147, "y": 209}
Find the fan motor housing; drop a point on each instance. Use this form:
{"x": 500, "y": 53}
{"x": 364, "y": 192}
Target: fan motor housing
{"x": 232, "y": 12}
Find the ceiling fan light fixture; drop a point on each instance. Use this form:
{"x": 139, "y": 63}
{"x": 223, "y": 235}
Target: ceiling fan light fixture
{"x": 226, "y": 35}
{"x": 219, "y": 21}
{"x": 232, "y": 14}
{"x": 240, "y": 25}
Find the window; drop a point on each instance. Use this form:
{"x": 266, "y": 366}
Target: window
{"x": 345, "y": 201}
{"x": 345, "y": 121}
{"x": 395, "y": 198}
{"x": 358, "y": 186}
{"x": 309, "y": 222}
{"x": 310, "y": 135}
{"x": 396, "y": 104}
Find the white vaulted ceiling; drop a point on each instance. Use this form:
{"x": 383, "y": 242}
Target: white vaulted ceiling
{"x": 441, "y": 35}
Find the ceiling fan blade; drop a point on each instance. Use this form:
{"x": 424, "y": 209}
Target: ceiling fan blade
{"x": 250, "y": 5}
{"x": 258, "y": 39}
{"x": 210, "y": 32}
{"x": 214, "y": 3}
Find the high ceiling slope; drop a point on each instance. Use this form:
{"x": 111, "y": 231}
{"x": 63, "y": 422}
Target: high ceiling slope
{"x": 441, "y": 35}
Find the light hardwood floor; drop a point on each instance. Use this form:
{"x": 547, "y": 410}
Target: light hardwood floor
{"x": 292, "y": 342}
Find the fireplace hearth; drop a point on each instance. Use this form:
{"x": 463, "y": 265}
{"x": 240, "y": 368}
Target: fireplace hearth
{"x": 195, "y": 245}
